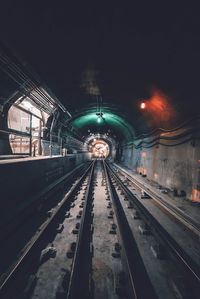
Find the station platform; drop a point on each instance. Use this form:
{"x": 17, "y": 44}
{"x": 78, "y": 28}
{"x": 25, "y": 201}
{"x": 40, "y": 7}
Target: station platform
{"x": 4, "y": 159}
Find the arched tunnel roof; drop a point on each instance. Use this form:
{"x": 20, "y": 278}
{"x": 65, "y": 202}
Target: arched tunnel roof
{"x": 120, "y": 127}
{"x": 114, "y": 120}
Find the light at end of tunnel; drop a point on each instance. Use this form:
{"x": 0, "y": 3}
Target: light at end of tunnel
{"x": 142, "y": 105}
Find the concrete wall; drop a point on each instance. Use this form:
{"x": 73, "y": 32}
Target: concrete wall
{"x": 28, "y": 175}
{"x": 173, "y": 167}
{"x": 20, "y": 179}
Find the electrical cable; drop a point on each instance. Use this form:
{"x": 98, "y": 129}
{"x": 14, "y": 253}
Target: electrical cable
{"x": 184, "y": 124}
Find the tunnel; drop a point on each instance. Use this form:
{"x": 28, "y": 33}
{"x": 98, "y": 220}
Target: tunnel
{"x": 99, "y": 150}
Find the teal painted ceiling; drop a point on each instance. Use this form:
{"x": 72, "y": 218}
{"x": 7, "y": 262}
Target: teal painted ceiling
{"x": 109, "y": 121}
{"x": 116, "y": 121}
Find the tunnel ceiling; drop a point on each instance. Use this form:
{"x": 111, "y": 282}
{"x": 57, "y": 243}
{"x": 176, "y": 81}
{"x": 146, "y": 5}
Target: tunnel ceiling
{"x": 110, "y": 124}
{"x": 120, "y": 52}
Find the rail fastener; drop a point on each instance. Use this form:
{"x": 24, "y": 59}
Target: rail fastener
{"x": 76, "y": 228}
{"x": 144, "y": 230}
{"x": 60, "y": 228}
{"x": 71, "y": 249}
{"x": 79, "y": 214}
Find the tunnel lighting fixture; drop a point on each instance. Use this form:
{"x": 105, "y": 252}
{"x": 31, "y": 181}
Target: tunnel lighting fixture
{"x": 99, "y": 116}
{"x": 142, "y": 105}
{"x": 144, "y": 154}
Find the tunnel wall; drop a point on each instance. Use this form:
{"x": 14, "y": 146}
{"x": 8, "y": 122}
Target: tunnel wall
{"x": 176, "y": 167}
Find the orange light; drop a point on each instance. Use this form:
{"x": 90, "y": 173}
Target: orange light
{"x": 143, "y": 105}
{"x": 196, "y": 195}
{"x": 144, "y": 154}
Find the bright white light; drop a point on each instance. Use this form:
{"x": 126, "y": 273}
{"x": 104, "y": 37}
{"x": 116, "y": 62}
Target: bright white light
{"x": 27, "y": 104}
{"x": 99, "y": 119}
{"x": 94, "y": 139}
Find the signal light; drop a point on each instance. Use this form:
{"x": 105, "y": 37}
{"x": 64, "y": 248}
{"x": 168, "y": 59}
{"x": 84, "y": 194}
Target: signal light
{"x": 144, "y": 154}
{"x": 142, "y": 105}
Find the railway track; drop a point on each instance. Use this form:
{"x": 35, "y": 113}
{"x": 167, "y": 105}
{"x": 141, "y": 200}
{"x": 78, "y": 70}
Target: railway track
{"x": 79, "y": 282}
{"x": 18, "y": 226}
{"x": 135, "y": 269}
{"x": 189, "y": 268}
{"x": 9, "y": 281}
{"x": 97, "y": 251}
{"x": 179, "y": 215}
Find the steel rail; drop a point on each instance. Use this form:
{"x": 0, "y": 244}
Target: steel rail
{"x": 11, "y": 277}
{"x": 140, "y": 286}
{"x": 81, "y": 266}
{"x": 176, "y": 212}
{"x": 189, "y": 267}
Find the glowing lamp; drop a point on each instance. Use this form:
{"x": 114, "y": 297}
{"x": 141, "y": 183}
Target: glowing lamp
{"x": 99, "y": 116}
{"x": 143, "y": 105}
{"x": 144, "y": 154}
